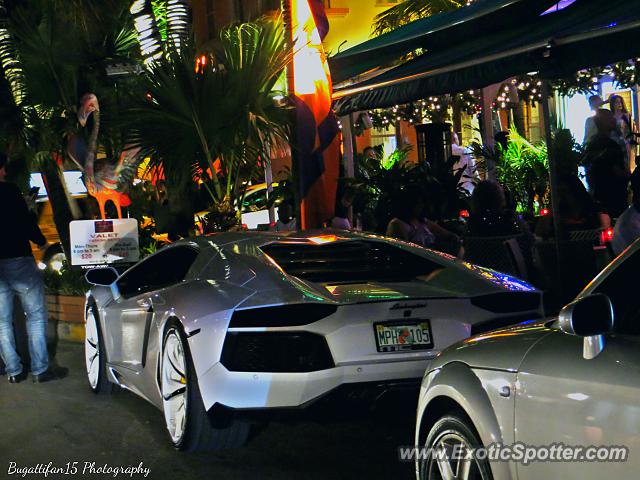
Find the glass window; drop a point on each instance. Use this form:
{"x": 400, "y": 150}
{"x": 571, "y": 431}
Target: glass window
{"x": 386, "y": 138}
{"x": 255, "y": 201}
{"x": 162, "y": 269}
{"x": 350, "y": 262}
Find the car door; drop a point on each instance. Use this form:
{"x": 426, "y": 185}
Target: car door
{"x": 141, "y": 288}
{"x": 563, "y": 398}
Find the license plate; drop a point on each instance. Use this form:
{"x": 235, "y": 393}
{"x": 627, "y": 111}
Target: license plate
{"x": 403, "y": 336}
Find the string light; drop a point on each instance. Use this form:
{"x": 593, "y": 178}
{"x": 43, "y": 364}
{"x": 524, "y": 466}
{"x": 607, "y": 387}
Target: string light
{"x": 529, "y": 89}
{"x": 420, "y": 111}
{"x": 625, "y": 74}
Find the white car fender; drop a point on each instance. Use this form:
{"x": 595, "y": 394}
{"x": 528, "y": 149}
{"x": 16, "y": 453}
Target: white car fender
{"x": 458, "y": 382}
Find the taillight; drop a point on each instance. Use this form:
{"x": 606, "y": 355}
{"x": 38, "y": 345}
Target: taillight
{"x": 606, "y": 235}
{"x": 293, "y": 315}
{"x": 544, "y": 212}
{"x": 464, "y": 213}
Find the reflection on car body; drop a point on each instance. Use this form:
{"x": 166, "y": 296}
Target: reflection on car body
{"x": 231, "y": 323}
{"x": 571, "y": 380}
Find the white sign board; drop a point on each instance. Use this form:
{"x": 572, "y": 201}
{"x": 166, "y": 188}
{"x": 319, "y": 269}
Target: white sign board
{"x": 99, "y": 242}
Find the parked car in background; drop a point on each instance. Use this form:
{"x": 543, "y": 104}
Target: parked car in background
{"x": 52, "y": 256}
{"x": 571, "y": 380}
{"x": 255, "y": 207}
{"x": 254, "y": 211}
{"x": 213, "y": 328}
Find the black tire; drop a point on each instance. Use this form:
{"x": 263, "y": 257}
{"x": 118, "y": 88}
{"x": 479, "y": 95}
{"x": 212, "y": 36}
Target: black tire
{"x": 103, "y": 386}
{"x": 200, "y": 435}
{"x": 452, "y": 426}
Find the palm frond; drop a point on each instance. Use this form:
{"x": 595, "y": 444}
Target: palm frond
{"x": 410, "y": 10}
{"x": 216, "y": 122}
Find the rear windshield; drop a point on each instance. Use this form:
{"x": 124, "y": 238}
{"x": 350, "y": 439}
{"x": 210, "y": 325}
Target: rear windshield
{"x": 349, "y": 262}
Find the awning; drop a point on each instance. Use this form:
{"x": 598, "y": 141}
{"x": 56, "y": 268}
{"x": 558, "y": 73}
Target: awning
{"x": 587, "y": 33}
{"x": 435, "y": 32}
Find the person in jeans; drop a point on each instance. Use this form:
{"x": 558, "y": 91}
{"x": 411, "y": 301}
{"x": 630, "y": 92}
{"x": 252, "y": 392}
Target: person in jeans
{"x": 20, "y": 276}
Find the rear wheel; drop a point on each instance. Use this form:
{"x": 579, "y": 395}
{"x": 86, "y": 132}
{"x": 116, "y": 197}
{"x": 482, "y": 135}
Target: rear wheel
{"x": 95, "y": 358}
{"x": 186, "y": 419}
{"x": 453, "y": 433}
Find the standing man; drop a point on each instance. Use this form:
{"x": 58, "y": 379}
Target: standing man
{"x": 590, "y": 128}
{"x": 20, "y": 276}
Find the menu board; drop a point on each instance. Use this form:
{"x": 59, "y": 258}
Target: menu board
{"x": 101, "y": 242}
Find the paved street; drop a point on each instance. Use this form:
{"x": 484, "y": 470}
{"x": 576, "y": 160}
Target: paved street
{"x": 63, "y": 421}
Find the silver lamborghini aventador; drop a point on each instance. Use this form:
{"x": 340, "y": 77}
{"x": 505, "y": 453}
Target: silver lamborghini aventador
{"x": 210, "y": 328}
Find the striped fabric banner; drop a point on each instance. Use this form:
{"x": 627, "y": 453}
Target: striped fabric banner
{"x": 317, "y": 133}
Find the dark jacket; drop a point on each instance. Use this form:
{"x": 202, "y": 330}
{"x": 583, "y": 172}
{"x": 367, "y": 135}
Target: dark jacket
{"x": 607, "y": 174}
{"x": 20, "y": 225}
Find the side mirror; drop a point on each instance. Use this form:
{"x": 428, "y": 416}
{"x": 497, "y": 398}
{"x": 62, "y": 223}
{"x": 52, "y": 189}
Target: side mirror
{"x": 589, "y": 317}
{"x": 104, "y": 276}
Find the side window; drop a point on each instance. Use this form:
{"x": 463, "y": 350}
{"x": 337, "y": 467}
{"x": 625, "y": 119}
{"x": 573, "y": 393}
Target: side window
{"x": 621, "y": 289}
{"x": 256, "y": 201}
{"x": 160, "y": 270}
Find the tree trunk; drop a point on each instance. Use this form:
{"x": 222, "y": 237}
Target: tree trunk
{"x": 519, "y": 118}
{"x": 62, "y": 215}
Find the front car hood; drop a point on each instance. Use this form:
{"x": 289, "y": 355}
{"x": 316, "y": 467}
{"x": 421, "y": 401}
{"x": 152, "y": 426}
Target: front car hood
{"x": 501, "y": 349}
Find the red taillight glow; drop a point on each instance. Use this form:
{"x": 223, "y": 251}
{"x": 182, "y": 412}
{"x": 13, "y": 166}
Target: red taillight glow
{"x": 544, "y": 212}
{"x": 606, "y": 235}
{"x": 464, "y": 213}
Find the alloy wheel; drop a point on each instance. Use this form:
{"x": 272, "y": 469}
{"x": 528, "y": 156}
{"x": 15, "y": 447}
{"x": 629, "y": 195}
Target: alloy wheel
{"x": 174, "y": 386}
{"x": 450, "y": 459}
{"x": 92, "y": 350}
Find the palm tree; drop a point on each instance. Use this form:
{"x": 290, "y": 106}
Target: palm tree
{"x": 409, "y": 10}
{"x": 60, "y": 49}
{"x": 215, "y": 120}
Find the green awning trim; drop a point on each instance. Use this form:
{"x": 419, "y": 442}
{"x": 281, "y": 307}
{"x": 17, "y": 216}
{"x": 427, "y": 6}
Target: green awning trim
{"x": 435, "y": 32}
{"x": 587, "y": 33}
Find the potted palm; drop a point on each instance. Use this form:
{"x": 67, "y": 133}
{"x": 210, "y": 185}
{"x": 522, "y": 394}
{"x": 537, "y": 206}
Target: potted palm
{"x": 212, "y": 117}
{"x": 47, "y": 78}
{"x": 65, "y": 298}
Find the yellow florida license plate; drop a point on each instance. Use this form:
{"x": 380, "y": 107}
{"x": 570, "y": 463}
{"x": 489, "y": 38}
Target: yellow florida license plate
{"x": 401, "y": 336}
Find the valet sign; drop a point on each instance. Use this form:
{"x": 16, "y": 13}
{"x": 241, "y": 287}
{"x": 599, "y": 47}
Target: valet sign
{"x": 99, "y": 242}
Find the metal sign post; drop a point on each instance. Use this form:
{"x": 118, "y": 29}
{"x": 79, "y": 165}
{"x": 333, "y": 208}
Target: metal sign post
{"x": 553, "y": 185}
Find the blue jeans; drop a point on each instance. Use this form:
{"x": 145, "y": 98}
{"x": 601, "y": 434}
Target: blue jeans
{"x": 20, "y": 276}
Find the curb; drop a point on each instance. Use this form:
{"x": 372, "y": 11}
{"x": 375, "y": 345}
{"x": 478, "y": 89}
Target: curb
{"x": 71, "y": 332}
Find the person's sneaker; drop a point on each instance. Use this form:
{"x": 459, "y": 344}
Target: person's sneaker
{"x": 45, "y": 376}
{"x": 16, "y": 378}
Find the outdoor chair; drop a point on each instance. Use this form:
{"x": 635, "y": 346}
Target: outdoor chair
{"x": 503, "y": 254}
{"x": 603, "y": 251}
